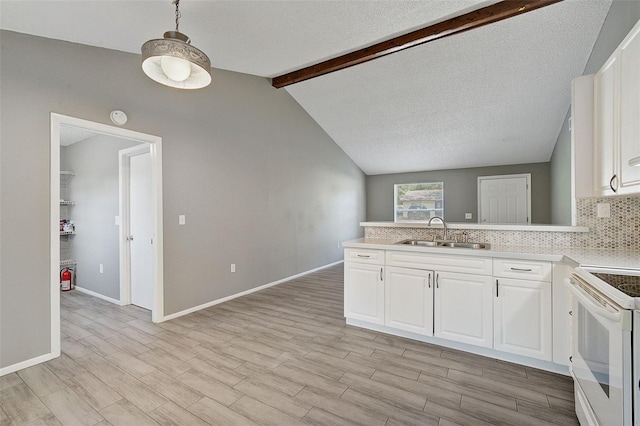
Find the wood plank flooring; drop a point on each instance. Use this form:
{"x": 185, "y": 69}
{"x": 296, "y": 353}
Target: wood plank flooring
{"x": 282, "y": 356}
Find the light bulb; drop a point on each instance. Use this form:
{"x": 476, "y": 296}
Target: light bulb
{"x": 176, "y": 69}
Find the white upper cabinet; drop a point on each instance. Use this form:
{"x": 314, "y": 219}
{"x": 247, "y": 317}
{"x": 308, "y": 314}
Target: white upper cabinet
{"x": 630, "y": 111}
{"x": 616, "y": 123}
{"x": 606, "y": 182}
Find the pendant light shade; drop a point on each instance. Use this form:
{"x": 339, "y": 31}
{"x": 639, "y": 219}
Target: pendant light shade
{"x": 174, "y": 62}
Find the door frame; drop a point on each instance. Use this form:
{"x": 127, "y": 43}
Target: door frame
{"x": 520, "y": 175}
{"x": 124, "y": 181}
{"x": 155, "y": 145}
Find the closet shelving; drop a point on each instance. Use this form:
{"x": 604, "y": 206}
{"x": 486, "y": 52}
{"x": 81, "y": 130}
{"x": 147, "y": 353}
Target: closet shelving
{"x": 65, "y": 214}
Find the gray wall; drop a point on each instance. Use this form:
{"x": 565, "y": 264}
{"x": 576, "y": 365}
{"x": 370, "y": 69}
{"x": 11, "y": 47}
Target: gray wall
{"x": 95, "y": 190}
{"x": 460, "y": 191}
{"x": 560, "y": 172}
{"x": 261, "y": 184}
{"x": 622, "y": 16}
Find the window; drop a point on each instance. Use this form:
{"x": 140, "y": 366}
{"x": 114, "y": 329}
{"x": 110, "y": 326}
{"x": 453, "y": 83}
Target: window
{"x": 418, "y": 201}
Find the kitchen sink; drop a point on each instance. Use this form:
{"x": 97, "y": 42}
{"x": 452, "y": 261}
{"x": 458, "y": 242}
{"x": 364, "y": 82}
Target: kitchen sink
{"x": 475, "y": 246}
{"x": 450, "y": 244}
{"x": 419, "y": 243}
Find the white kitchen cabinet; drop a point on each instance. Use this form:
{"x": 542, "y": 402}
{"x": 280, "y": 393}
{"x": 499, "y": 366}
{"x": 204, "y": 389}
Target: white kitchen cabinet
{"x": 522, "y": 322}
{"x": 409, "y": 300}
{"x": 629, "y": 105}
{"x": 616, "y": 124}
{"x": 364, "y": 287}
{"x": 522, "y": 307}
{"x": 561, "y": 301}
{"x": 464, "y": 308}
{"x": 605, "y": 138}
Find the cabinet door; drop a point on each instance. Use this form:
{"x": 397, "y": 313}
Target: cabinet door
{"x": 606, "y": 179}
{"x": 464, "y": 308}
{"x": 523, "y": 318}
{"x": 629, "y": 64}
{"x": 364, "y": 292}
{"x": 409, "y": 300}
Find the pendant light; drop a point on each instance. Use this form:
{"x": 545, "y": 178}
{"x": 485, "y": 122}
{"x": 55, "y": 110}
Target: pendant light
{"x": 174, "y": 62}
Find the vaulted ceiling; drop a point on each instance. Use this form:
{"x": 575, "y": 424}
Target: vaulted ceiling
{"x": 495, "y": 95}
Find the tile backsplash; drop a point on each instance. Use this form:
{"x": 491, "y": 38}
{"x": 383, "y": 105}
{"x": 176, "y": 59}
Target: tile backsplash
{"x": 619, "y": 231}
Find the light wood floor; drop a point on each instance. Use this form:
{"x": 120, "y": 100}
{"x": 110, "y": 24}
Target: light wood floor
{"x": 282, "y": 356}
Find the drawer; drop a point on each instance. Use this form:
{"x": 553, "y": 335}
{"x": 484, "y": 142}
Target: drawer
{"x": 522, "y": 269}
{"x": 438, "y": 262}
{"x": 364, "y": 256}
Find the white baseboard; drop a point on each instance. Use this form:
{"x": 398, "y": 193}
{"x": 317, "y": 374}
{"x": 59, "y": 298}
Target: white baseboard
{"x": 98, "y": 295}
{"x": 244, "y": 293}
{"x": 25, "y": 364}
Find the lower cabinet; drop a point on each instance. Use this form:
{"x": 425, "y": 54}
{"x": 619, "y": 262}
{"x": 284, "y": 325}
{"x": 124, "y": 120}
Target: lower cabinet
{"x": 364, "y": 292}
{"x": 408, "y": 299}
{"x": 464, "y": 308}
{"x": 523, "y": 318}
{"x": 504, "y": 304}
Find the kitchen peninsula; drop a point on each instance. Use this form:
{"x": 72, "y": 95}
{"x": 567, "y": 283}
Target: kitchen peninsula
{"x": 507, "y": 301}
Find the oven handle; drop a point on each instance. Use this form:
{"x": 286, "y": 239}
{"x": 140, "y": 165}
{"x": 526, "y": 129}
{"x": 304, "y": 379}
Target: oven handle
{"x": 585, "y": 299}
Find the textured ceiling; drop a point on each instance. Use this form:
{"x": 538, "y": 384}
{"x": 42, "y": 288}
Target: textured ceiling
{"x": 496, "y": 95}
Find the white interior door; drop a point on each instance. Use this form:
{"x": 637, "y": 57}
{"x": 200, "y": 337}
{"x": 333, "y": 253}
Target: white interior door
{"x": 141, "y": 230}
{"x": 504, "y": 199}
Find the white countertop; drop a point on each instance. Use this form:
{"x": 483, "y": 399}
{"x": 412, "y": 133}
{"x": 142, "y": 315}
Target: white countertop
{"x": 627, "y": 259}
{"x": 480, "y": 226}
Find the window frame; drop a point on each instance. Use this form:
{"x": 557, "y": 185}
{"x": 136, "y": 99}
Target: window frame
{"x": 402, "y": 211}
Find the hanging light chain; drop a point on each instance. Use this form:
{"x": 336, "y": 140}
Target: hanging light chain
{"x": 177, "y": 3}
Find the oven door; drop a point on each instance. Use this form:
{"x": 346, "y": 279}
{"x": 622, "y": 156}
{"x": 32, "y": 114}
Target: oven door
{"x": 601, "y": 353}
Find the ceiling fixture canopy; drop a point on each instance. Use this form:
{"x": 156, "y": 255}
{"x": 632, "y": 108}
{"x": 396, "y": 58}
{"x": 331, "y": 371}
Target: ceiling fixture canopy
{"x": 174, "y": 62}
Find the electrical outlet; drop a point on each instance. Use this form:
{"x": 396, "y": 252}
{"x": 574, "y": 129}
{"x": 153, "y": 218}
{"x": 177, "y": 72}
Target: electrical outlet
{"x": 603, "y": 209}
{"x": 101, "y": 268}
{"x": 233, "y": 267}
{"x": 182, "y": 219}
{"x": 468, "y": 215}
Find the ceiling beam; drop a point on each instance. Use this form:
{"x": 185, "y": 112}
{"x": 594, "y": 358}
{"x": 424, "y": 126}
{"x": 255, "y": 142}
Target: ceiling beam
{"x": 496, "y": 12}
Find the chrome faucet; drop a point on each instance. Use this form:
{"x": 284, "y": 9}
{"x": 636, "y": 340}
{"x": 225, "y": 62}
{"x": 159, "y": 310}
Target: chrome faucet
{"x": 444, "y": 224}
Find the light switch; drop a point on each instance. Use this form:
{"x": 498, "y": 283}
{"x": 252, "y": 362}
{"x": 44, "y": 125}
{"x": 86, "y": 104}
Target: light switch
{"x": 182, "y": 219}
{"x": 604, "y": 209}
{"x": 468, "y": 215}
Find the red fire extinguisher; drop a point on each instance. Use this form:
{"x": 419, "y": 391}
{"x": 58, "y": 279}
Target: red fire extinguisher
{"x": 65, "y": 279}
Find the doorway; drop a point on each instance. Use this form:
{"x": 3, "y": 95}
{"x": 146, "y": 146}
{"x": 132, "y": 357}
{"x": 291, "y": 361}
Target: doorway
{"x": 153, "y": 146}
{"x": 504, "y": 199}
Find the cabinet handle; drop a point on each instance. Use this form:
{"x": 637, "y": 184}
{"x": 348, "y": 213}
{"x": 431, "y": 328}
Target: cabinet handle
{"x": 570, "y": 313}
{"x": 571, "y": 359}
{"x": 522, "y": 269}
{"x": 363, "y": 255}
{"x": 497, "y": 291}
{"x": 381, "y": 274}
{"x": 429, "y": 281}
{"x": 437, "y": 280}
{"x": 611, "y": 183}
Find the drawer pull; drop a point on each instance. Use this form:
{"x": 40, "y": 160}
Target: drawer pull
{"x": 363, "y": 255}
{"x": 522, "y": 269}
